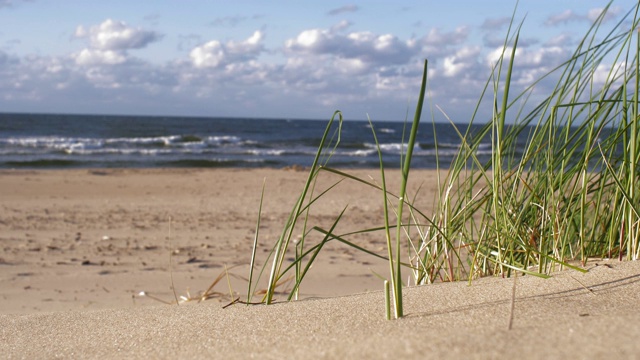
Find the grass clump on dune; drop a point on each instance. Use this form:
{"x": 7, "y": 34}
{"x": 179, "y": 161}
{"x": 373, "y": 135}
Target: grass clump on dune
{"x": 571, "y": 195}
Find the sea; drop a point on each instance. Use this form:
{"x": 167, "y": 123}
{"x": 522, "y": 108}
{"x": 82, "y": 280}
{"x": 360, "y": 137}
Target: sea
{"x": 57, "y": 141}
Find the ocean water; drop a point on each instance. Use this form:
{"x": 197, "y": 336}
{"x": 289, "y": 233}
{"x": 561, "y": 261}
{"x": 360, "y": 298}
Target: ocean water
{"x": 92, "y": 141}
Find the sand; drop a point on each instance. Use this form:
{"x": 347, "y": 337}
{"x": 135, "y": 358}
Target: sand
{"x": 80, "y": 245}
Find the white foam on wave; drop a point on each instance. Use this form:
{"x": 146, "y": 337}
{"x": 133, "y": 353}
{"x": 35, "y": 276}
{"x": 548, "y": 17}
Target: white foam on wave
{"x": 359, "y": 153}
{"x": 393, "y": 147}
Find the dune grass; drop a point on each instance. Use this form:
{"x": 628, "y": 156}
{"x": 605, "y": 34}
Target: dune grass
{"x": 571, "y": 195}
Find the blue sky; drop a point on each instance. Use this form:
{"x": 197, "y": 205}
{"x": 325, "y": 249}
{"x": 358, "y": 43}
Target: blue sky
{"x": 277, "y": 59}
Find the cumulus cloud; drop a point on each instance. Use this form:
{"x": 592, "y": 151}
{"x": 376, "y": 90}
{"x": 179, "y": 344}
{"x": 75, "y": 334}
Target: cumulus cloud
{"x": 363, "y": 67}
{"x": 461, "y": 62}
{"x": 363, "y": 45}
{"x": 110, "y": 41}
{"x": 112, "y": 35}
{"x": 529, "y": 64}
{"x": 343, "y": 9}
{"x": 215, "y": 53}
{"x": 97, "y": 56}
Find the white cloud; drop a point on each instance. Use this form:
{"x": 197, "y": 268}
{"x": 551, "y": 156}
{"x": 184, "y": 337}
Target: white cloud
{"x": 96, "y": 56}
{"x": 210, "y": 54}
{"x": 461, "y": 62}
{"x": 606, "y": 73}
{"x": 365, "y": 46}
{"x": 110, "y": 41}
{"x": 215, "y": 53}
{"x": 252, "y": 45}
{"x": 493, "y": 57}
{"x": 310, "y": 40}
{"x": 112, "y": 35}
{"x": 529, "y": 58}
{"x": 351, "y": 66}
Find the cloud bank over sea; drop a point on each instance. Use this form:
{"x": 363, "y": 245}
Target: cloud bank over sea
{"x": 278, "y": 61}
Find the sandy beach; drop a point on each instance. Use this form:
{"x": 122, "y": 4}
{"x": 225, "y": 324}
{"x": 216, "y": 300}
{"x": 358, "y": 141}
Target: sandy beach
{"x": 79, "y": 246}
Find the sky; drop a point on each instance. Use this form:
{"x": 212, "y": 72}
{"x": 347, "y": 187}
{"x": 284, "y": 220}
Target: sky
{"x": 274, "y": 59}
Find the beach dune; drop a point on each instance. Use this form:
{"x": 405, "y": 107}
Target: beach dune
{"x": 80, "y": 245}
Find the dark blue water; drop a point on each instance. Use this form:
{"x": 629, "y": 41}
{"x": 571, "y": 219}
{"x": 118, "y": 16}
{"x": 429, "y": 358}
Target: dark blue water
{"x": 90, "y": 141}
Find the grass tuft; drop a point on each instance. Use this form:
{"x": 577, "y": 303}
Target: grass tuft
{"x": 571, "y": 194}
